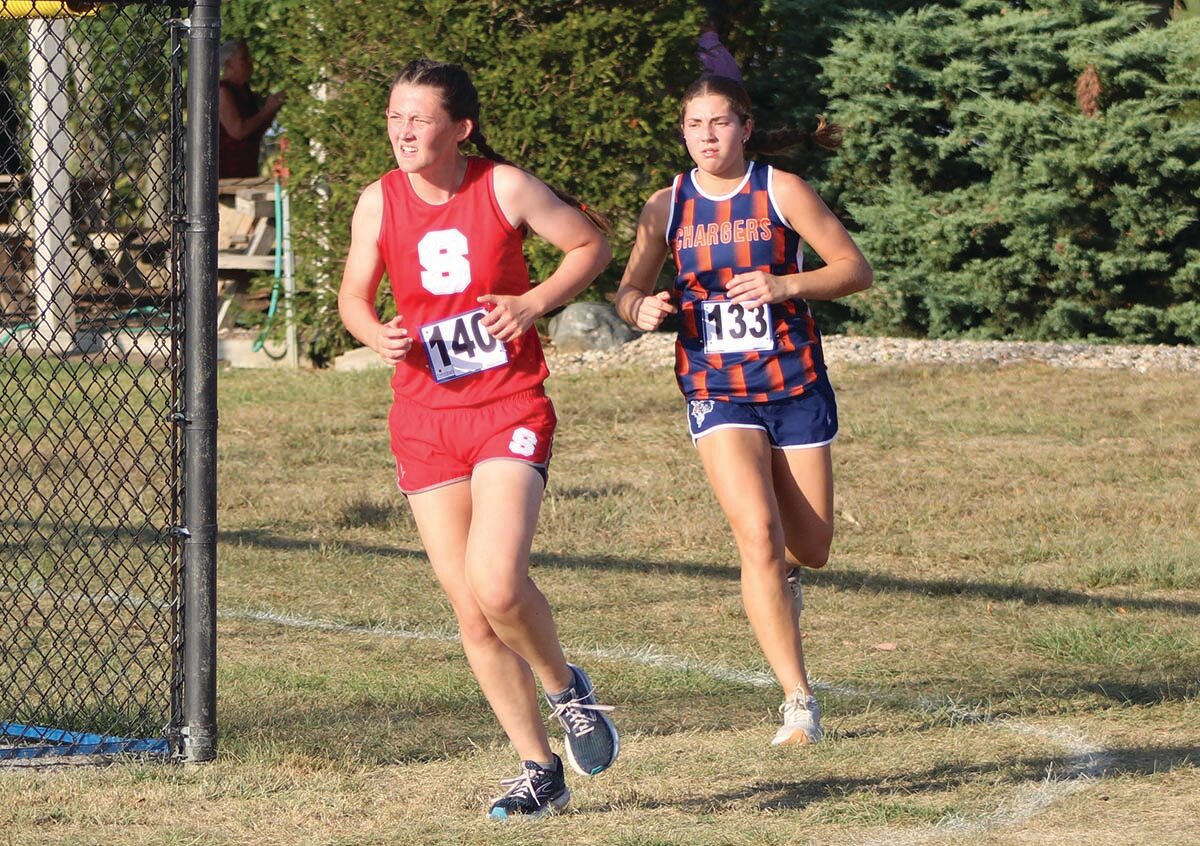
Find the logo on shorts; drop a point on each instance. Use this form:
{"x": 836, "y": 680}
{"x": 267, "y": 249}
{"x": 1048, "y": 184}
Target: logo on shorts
{"x": 524, "y": 442}
{"x": 700, "y": 410}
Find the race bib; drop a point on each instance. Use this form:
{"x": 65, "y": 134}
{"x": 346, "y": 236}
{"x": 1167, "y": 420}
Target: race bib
{"x": 459, "y": 346}
{"x": 731, "y": 327}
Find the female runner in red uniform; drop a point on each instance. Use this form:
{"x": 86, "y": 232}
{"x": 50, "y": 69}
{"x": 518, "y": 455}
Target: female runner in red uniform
{"x": 471, "y": 426}
{"x": 761, "y": 410}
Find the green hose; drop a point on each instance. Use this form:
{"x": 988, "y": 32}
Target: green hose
{"x": 274, "y": 306}
{"x": 8, "y": 334}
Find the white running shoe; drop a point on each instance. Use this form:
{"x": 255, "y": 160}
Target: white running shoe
{"x": 801, "y": 721}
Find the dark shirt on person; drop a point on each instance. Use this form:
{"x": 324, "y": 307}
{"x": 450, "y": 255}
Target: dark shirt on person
{"x": 238, "y": 157}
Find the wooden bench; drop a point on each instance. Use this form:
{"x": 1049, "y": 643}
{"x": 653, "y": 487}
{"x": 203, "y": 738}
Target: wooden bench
{"x": 245, "y": 238}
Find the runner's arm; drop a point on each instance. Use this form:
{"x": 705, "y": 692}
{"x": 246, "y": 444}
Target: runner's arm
{"x": 637, "y": 304}
{"x": 360, "y": 282}
{"x": 527, "y": 201}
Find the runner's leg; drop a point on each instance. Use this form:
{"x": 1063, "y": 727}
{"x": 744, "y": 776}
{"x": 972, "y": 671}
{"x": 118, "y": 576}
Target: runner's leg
{"x": 444, "y": 519}
{"x": 803, "y": 483}
{"x": 507, "y": 497}
{"x": 738, "y": 464}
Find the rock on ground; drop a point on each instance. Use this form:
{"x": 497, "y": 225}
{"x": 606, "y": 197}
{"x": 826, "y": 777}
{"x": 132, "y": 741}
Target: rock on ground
{"x": 659, "y": 348}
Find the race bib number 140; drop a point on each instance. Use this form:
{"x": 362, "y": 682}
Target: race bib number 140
{"x": 730, "y": 327}
{"x": 459, "y": 346}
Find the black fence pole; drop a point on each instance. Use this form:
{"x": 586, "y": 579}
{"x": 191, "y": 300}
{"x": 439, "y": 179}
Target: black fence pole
{"x": 200, "y": 388}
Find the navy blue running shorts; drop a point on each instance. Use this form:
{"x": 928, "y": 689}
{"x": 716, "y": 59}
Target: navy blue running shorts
{"x": 801, "y": 422}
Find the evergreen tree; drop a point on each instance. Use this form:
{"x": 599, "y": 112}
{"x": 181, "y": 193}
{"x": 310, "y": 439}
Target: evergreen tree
{"x": 1023, "y": 170}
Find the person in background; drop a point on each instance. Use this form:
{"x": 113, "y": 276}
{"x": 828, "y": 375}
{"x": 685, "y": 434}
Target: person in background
{"x": 715, "y": 58}
{"x": 243, "y": 119}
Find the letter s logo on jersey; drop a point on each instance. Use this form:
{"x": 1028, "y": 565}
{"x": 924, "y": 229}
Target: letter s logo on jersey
{"x": 444, "y": 265}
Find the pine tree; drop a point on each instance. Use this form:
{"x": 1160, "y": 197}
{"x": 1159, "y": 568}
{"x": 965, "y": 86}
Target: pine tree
{"x": 1024, "y": 170}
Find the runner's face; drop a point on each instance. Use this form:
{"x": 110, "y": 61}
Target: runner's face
{"x": 714, "y": 135}
{"x": 419, "y": 128}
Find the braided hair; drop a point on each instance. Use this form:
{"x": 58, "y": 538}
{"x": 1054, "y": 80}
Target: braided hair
{"x": 461, "y": 102}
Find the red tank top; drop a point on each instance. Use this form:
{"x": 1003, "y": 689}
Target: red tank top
{"x": 439, "y": 260}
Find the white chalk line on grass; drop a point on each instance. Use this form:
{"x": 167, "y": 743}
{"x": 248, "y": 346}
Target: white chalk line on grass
{"x": 296, "y": 622}
{"x": 1084, "y": 765}
{"x": 646, "y": 656}
{"x": 1081, "y": 770}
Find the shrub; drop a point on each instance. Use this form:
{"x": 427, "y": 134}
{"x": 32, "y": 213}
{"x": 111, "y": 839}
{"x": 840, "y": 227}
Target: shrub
{"x": 581, "y": 94}
{"x": 1023, "y": 170}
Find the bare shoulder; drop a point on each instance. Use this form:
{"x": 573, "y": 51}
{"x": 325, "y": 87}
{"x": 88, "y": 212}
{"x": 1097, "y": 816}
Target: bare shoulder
{"x": 800, "y": 204}
{"x": 658, "y": 207}
{"x": 511, "y": 181}
{"x": 521, "y": 195}
{"x": 373, "y": 191}
{"x": 660, "y": 198}
{"x": 371, "y": 198}
{"x": 368, "y": 211}
{"x": 786, "y": 182}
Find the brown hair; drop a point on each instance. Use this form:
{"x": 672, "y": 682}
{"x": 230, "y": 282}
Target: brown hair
{"x": 461, "y": 102}
{"x": 827, "y": 135}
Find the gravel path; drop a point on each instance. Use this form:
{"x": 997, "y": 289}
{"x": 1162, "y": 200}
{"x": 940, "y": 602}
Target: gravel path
{"x": 659, "y": 347}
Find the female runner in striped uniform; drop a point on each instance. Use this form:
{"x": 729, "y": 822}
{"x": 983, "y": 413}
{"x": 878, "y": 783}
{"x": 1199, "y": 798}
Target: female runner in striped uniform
{"x": 760, "y": 407}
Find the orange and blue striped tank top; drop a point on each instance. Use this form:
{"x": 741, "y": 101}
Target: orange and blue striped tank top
{"x": 726, "y": 351}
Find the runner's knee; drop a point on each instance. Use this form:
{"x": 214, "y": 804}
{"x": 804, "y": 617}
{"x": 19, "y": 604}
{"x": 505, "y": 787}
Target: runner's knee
{"x": 499, "y": 598}
{"x": 473, "y": 626}
{"x": 758, "y": 542}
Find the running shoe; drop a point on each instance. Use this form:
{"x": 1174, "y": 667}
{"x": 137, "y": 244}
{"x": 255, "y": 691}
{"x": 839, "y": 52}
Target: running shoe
{"x": 801, "y": 721}
{"x": 535, "y": 793}
{"x": 592, "y": 743}
{"x": 797, "y": 589}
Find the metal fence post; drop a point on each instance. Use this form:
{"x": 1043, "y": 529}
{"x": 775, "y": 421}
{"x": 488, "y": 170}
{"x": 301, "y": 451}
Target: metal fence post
{"x": 51, "y": 185}
{"x": 200, "y": 387}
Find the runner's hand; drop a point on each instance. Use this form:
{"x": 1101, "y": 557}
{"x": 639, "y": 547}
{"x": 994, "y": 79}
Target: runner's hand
{"x": 508, "y": 318}
{"x": 651, "y": 310}
{"x": 392, "y": 341}
{"x": 756, "y": 288}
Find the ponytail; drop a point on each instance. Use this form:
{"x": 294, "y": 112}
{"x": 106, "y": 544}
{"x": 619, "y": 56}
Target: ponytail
{"x": 827, "y": 136}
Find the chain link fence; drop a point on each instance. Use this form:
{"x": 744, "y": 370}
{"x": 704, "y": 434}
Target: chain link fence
{"x": 91, "y": 339}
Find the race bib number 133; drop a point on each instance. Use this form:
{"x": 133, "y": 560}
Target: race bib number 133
{"x": 730, "y": 327}
{"x": 459, "y": 346}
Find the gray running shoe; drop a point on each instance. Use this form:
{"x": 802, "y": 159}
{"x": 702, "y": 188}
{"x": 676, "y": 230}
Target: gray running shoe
{"x": 535, "y": 793}
{"x": 801, "y": 721}
{"x": 797, "y": 589}
{"x": 591, "y": 738}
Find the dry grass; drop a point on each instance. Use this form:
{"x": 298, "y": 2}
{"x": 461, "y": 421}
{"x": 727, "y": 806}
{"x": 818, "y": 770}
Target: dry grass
{"x": 1024, "y": 536}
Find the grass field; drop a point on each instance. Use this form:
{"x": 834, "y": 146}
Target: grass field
{"x": 1006, "y": 642}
